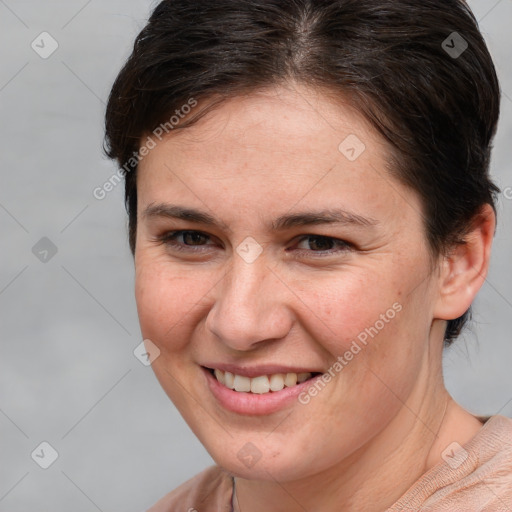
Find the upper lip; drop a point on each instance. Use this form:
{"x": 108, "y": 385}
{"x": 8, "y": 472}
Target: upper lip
{"x": 258, "y": 370}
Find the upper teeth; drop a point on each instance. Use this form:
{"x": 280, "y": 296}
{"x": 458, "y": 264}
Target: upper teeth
{"x": 261, "y": 384}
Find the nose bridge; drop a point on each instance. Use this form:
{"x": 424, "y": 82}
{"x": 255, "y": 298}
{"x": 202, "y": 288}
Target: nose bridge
{"x": 249, "y": 306}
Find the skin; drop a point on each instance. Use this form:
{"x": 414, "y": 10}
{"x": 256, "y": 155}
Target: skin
{"x": 386, "y": 417}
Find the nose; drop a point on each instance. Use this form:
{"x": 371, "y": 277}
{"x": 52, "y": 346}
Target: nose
{"x": 251, "y": 306}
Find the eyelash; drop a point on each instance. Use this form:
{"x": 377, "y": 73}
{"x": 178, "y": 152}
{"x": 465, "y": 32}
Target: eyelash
{"x": 169, "y": 239}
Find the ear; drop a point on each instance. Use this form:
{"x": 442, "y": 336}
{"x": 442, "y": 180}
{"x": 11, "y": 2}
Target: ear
{"x": 464, "y": 270}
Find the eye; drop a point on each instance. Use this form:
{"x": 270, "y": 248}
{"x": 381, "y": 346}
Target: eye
{"x": 196, "y": 241}
{"x": 323, "y": 245}
{"x": 192, "y": 240}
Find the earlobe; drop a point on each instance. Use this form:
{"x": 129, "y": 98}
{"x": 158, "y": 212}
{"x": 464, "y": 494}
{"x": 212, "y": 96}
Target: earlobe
{"x": 464, "y": 270}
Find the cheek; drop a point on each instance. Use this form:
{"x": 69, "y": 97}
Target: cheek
{"x": 169, "y": 302}
{"x": 372, "y": 324}
{"x": 348, "y": 306}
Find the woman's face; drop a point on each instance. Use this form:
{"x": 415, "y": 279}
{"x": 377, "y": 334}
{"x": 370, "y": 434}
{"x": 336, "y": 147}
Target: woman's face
{"x": 304, "y": 256}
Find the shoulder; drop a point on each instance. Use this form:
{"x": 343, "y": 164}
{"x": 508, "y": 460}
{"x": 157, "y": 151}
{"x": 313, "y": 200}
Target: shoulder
{"x": 210, "y": 490}
{"x": 476, "y": 476}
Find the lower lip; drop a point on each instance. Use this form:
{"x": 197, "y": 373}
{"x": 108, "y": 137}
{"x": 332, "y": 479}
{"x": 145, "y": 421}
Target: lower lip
{"x": 253, "y": 403}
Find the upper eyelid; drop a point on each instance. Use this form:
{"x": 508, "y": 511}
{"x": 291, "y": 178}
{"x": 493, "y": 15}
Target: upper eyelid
{"x": 183, "y": 231}
{"x": 299, "y": 238}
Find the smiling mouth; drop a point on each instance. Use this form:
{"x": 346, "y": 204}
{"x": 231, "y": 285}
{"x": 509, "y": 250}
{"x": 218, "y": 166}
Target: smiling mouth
{"x": 261, "y": 384}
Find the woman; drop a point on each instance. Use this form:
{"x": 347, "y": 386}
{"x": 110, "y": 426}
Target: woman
{"x": 311, "y": 217}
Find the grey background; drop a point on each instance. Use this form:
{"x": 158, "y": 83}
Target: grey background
{"x": 69, "y": 326}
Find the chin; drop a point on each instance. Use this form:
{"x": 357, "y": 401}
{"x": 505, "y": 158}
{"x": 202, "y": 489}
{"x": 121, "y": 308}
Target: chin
{"x": 258, "y": 460}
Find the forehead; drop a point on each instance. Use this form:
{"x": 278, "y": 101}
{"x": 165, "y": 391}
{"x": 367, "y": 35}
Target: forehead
{"x": 296, "y": 119}
{"x": 289, "y": 128}
{"x": 277, "y": 147}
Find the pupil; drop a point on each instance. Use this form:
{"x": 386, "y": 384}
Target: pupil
{"x": 195, "y": 237}
{"x": 320, "y": 241}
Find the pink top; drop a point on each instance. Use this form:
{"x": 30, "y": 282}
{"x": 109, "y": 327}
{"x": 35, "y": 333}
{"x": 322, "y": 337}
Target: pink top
{"x": 475, "y": 478}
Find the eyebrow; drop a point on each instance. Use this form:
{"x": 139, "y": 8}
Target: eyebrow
{"x": 287, "y": 221}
